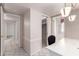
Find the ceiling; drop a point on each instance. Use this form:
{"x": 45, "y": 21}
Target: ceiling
{"x": 47, "y": 8}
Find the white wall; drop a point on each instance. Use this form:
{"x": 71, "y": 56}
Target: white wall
{"x": 26, "y": 39}
{"x": 49, "y": 27}
{"x": 36, "y": 30}
{"x": 21, "y": 30}
{"x": 33, "y": 31}
{"x": 72, "y": 28}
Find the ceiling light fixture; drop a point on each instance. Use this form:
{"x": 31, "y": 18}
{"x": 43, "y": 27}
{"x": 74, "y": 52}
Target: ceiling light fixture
{"x": 67, "y": 9}
{"x": 72, "y": 17}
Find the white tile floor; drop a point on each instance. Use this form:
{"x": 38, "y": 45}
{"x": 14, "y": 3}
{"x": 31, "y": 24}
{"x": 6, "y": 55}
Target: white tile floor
{"x": 16, "y": 52}
{"x": 46, "y": 52}
{"x": 66, "y": 47}
{"x": 21, "y": 52}
{"x": 12, "y": 49}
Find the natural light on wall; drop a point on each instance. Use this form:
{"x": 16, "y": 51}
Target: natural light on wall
{"x": 62, "y": 27}
{"x": 72, "y": 17}
{"x": 65, "y": 11}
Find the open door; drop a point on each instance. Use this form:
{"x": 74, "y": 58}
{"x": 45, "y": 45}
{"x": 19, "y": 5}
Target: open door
{"x": 44, "y": 32}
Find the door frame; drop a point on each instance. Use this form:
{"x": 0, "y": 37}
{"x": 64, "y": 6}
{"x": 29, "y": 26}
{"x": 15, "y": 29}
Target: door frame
{"x": 46, "y": 34}
{"x": 2, "y": 30}
{"x": 18, "y": 24}
{"x": 58, "y": 15}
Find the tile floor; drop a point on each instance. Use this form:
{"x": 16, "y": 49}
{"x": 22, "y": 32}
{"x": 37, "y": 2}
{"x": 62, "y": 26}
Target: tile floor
{"x": 66, "y": 47}
{"x": 46, "y": 52}
{"x": 21, "y": 52}
{"x": 16, "y": 52}
{"x": 12, "y": 49}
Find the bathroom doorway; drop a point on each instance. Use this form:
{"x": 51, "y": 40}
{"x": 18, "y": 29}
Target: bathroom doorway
{"x": 44, "y": 32}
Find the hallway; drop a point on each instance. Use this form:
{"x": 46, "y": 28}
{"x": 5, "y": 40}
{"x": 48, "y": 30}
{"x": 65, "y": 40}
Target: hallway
{"x": 12, "y": 49}
{"x": 22, "y": 26}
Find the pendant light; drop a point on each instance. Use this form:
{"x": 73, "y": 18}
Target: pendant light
{"x": 72, "y": 17}
{"x": 65, "y": 11}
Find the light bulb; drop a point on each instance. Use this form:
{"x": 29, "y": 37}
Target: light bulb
{"x": 72, "y": 18}
{"x": 65, "y": 11}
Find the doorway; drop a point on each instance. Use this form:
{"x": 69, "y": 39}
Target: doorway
{"x": 11, "y": 40}
{"x": 44, "y": 32}
{"x": 12, "y": 33}
{"x": 58, "y": 27}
